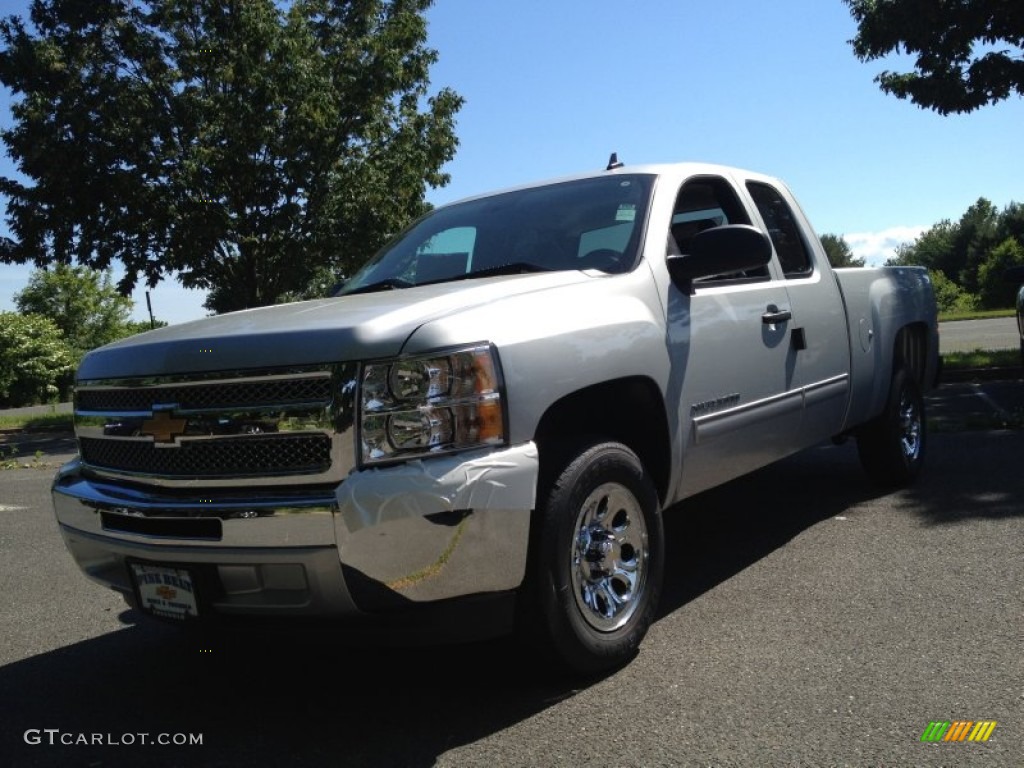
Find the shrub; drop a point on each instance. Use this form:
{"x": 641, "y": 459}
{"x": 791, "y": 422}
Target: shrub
{"x": 36, "y": 364}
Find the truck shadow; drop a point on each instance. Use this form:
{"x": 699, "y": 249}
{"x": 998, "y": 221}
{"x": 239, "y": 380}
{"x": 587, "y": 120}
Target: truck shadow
{"x": 314, "y": 701}
{"x": 713, "y": 536}
{"x": 716, "y": 534}
{"x": 970, "y": 475}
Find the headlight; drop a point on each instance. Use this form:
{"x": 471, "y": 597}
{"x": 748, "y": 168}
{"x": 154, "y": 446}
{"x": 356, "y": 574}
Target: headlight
{"x": 416, "y": 406}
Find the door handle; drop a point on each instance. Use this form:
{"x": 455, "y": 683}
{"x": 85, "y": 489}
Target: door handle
{"x": 775, "y": 315}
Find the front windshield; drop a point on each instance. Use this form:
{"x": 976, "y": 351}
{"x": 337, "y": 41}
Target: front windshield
{"x": 588, "y": 224}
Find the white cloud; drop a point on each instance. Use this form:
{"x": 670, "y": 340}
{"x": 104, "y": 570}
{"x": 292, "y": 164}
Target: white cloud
{"x": 876, "y": 247}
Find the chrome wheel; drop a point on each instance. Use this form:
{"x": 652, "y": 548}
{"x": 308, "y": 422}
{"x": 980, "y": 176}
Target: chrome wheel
{"x": 910, "y": 426}
{"x": 609, "y": 557}
{"x": 892, "y": 445}
{"x": 597, "y": 561}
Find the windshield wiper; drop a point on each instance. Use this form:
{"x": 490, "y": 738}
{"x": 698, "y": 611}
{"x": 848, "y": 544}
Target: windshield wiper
{"x": 512, "y": 268}
{"x": 387, "y": 284}
{"x": 393, "y": 283}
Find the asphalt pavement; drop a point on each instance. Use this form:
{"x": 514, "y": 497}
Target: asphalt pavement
{"x": 969, "y": 335}
{"x": 808, "y": 619}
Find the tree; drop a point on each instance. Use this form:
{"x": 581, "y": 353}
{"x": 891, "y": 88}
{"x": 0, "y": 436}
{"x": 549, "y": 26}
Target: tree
{"x": 1011, "y": 223}
{"x": 243, "y": 145}
{"x": 975, "y": 239}
{"x": 958, "y": 249}
{"x": 81, "y": 302}
{"x": 933, "y": 248}
{"x": 141, "y": 326}
{"x": 839, "y": 252}
{"x": 994, "y": 290}
{"x": 969, "y": 53}
{"x": 950, "y": 297}
{"x": 35, "y": 361}
{"x": 967, "y": 259}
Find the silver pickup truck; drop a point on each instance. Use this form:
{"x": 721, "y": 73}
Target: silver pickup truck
{"x": 482, "y": 428}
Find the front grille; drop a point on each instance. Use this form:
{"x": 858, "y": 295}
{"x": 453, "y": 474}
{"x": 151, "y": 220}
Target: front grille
{"x": 247, "y": 456}
{"x": 260, "y": 393}
{"x": 225, "y": 428}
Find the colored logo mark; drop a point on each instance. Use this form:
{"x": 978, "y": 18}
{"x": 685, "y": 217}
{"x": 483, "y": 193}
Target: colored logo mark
{"x": 958, "y": 730}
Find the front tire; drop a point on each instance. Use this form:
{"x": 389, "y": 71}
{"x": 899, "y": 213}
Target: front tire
{"x": 892, "y": 446}
{"x": 598, "y": 560}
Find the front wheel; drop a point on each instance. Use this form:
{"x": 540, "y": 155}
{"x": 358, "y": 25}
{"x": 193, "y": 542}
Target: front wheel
{"x": 598, "y": 559}
{"x": 891, "y": 447}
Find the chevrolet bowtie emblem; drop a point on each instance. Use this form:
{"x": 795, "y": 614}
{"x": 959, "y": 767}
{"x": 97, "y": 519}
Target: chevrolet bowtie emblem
{"x": 163, "y": 427}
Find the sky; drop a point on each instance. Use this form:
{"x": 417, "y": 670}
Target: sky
{"x": 552, "y": 87}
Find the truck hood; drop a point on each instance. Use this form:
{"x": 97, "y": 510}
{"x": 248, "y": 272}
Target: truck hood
{"x": 358, "y": 327}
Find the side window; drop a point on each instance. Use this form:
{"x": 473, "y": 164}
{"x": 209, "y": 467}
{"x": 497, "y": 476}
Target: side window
{"x": 703, "y": 203}
{"x": 783, "y": 230}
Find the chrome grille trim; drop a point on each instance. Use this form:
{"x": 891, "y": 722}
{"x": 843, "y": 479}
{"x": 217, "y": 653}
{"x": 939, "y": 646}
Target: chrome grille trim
{"x": 252, "y": 428}
{"x": 278, "y": 391}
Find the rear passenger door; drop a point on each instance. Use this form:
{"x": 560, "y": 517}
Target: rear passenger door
{"x": 730, "y": 353}
{"x": 818, "y": 326}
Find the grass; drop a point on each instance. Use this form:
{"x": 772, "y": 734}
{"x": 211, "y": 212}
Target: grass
{"x": 981, "y": 358}
{"x": 986, "y": 314}
{"x": 974, "y": 422}
{"x": 54, "y": 422}
{"x": 9, "y": 459}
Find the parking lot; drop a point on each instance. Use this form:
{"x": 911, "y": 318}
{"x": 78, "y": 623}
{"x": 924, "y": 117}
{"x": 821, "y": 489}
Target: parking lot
{"x": 809, "y": 619}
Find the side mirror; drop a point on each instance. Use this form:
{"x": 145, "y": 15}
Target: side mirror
{"x": 719, "y": 251}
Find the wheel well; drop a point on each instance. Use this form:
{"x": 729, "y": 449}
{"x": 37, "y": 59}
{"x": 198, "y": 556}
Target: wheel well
{"x": 630, "y": 411}
{"x": 910, "y": 351}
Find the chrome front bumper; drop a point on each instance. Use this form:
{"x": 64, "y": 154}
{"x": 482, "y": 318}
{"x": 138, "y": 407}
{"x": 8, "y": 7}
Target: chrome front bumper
{"x": 384, "y": 539}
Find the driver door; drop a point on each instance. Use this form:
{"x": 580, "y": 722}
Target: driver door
{"x": 732, "y": 361}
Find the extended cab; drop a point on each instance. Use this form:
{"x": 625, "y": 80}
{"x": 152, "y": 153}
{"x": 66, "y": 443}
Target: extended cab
{"x": 493, "y": 413}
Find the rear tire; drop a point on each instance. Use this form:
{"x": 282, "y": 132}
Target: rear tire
{"x": 597, "y": 561}
{"x": 892, "y": 446}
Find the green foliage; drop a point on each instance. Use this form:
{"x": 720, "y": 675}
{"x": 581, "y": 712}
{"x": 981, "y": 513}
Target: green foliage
{"x": 81, "y": 302}
{"x": 968, "y": 53}
{"x": 960, "y": 251}
{"x": 35, "y": 361}
{"x": 994, "y": 290}
{"x": 973, "y": 239}
{"x": 839, "y": 252}
{"x": 981, "y": 358}
{"x": 49, "y": 422}
{"x": 134, "y": 327}
{"x": 932, "y": 249}
{"x": 976, "y": 314}
{"x": 950, "y": 297}
{"x": 320, "y": 285}
{"x": 242, "y": 146}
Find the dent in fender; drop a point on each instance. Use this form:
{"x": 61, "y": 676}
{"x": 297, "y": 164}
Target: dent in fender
{"x": 481, "y": 480}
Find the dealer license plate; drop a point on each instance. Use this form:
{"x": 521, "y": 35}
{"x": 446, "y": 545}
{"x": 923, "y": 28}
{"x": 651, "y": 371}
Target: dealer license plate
{"x": 168, "y": 592}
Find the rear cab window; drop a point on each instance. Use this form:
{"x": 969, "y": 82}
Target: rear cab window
{"x": 787, "y": 238}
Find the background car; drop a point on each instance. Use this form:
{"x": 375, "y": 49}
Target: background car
{"x": 1016, "y": 275}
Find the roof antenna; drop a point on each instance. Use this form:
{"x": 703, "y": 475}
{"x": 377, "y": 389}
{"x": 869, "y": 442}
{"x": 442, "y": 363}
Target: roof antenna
{"x": 613, "y": 162}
